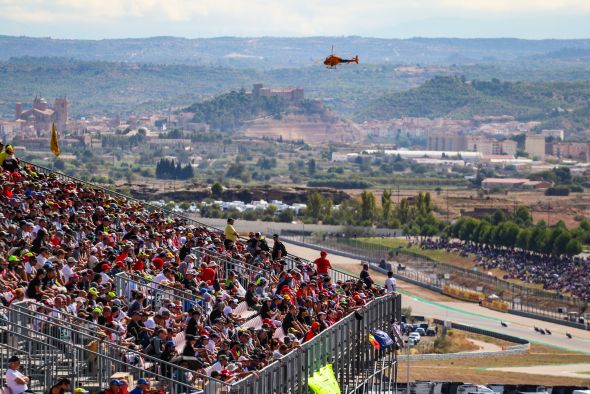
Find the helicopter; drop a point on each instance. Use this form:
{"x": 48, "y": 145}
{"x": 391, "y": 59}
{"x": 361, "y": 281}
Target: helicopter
{"x": 332, "y": 61}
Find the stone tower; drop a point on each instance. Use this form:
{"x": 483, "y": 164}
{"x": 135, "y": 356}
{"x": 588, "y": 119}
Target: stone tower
{"x": 18, "y": 109}
{"x": 60, "y": 106}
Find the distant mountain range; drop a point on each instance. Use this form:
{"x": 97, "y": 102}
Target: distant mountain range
{"x": 273, "y": 52}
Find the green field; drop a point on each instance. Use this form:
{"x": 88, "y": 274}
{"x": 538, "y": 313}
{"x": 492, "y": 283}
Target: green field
{"x": 401, "y": 245}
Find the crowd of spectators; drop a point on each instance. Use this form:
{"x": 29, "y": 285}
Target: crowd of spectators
{"x": 563, "y": 274}
{"x": 63, "y": 242}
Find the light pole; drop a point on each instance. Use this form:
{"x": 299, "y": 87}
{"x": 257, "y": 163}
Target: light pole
{"x": 408, "y": 370}
{"x": 303, "y": 230}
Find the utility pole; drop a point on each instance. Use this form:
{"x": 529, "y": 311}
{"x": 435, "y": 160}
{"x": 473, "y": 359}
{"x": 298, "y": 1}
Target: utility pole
{"x": 447, "y": 204}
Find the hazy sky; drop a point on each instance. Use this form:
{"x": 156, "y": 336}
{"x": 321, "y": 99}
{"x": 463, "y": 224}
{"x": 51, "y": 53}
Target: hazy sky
{"x": 379, "y": 18}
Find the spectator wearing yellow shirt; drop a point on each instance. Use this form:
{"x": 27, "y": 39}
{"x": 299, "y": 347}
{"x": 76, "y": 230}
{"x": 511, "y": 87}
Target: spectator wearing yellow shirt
{"x": 231, "y": 235}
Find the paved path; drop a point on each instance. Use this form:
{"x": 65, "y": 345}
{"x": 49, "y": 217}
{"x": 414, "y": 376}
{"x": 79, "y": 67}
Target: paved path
{"x": 579, "y": 371}
{"x": 484, "y": 346}
{"x": 469, "y": 313}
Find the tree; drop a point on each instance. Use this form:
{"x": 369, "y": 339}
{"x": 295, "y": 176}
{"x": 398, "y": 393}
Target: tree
{"x": 315, "y": 203}
{"x": 235, "y": 170}
{"x": 467, "y": 228}
{"x": 386, "y": 205}
{"x": 498, "y": 217}
{"x": 573, "y": 247}
{"x": 561, "y": 242}
{"x": 402, "y": 211}
{"x": 522, "y": 216}
{"x": 538, "y": 239}
{"x": 523, "y": 238}
{"x": 368, "y": 207}
{"x": 311, "y": 167}
{"x": 286, "y": 216}
{"x": 59, "y": 164}
{"x": 216, "y": 190}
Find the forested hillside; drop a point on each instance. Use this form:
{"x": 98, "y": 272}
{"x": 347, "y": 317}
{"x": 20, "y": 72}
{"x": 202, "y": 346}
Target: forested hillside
{"x": 229, "y": 111}
{"x": 553, "y": 102}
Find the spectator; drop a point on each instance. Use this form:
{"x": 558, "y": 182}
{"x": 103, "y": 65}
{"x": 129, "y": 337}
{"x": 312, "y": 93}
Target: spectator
{"x": 322, "y": 263}
{"x": 8, "y": 160}
{"x": 114, "y": 387}
{"x": 231, "y": 235}
{"x": 278, "y": 249}
{"x": 142, "y": 387}
{"x": 390, "y": 283}
{"x": 313, "y": 331}
{"x": 365, "y": 275}
{"x": 15, "y": 380}
{"x": 60, "y": 387}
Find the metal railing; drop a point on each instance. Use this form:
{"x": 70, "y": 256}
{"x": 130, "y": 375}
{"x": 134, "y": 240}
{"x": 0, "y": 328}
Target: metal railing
{"x": 345, "y": 345}
{"x": 53, "y": 348}
{"x": 155, "y": 294}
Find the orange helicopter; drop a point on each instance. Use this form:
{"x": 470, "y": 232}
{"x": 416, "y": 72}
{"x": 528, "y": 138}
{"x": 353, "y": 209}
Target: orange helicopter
{"x": 332, "y": 61}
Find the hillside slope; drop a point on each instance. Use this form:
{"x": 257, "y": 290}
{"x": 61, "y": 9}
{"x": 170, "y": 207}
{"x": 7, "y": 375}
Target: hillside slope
{"x": 455, "y": 97}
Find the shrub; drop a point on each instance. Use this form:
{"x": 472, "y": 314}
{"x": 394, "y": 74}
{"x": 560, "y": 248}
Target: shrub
{"x": 558, "y": 191}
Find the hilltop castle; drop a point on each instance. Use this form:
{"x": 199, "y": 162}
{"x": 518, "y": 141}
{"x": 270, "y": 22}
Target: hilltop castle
{"x": 41, "y": 116}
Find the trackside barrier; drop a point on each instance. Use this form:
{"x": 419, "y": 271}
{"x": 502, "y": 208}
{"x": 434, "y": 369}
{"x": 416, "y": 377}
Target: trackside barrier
{"x": 481, "y": 331}
{"x": 497, "y": 305}
{"x": 463, "y": 294}
{"x": 345, "y": 345}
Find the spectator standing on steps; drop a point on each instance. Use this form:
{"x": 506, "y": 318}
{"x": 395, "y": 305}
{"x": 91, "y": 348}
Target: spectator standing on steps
{"x": 231, "y": 235}
{"x": 322, "y": 263}
{"x": 15, "y": 380}
{"x": 278, "y": 249}
{"x": 390, "y": 283}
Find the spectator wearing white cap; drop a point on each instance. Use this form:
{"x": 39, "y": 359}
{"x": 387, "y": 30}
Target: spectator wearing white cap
{"x": 15, "y": 380}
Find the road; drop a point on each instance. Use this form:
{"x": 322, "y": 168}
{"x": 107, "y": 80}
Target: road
{"x": 470, "y": 313}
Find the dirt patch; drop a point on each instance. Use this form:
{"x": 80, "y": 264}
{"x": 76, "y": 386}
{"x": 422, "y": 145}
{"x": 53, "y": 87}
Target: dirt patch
{"x": 474, "y": 371}
{"x": 311, "y": 129}
{"x": 461, "y": 374}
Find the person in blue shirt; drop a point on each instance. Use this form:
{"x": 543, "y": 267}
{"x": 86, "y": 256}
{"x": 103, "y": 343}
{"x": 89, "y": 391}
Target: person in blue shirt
{"x": 143, "y": 387}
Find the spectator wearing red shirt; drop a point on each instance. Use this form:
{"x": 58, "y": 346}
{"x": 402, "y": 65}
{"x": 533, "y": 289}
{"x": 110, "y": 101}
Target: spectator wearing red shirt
{"x": 207, "y": 274}
{"x": 322, "y": 263}
{"x": 315, "y": 330}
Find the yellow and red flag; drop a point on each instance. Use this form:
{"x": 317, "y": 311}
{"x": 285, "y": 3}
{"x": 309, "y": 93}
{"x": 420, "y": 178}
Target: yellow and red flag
{"x": 54, "y": 145}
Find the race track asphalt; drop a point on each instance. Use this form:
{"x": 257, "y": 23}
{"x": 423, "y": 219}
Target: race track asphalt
{"x": 472, "y": 314}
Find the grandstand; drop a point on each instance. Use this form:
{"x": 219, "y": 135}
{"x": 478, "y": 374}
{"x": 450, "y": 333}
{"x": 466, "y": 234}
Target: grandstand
{"x": 98, "y": 286}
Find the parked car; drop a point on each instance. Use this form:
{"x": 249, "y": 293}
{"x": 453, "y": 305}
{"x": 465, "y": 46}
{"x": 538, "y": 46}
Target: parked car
{"x": 420, "y": 331}
{"x": 431, "y": 332}
{"x": 473, "y": 389}
{"x": 415, "y": 336}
